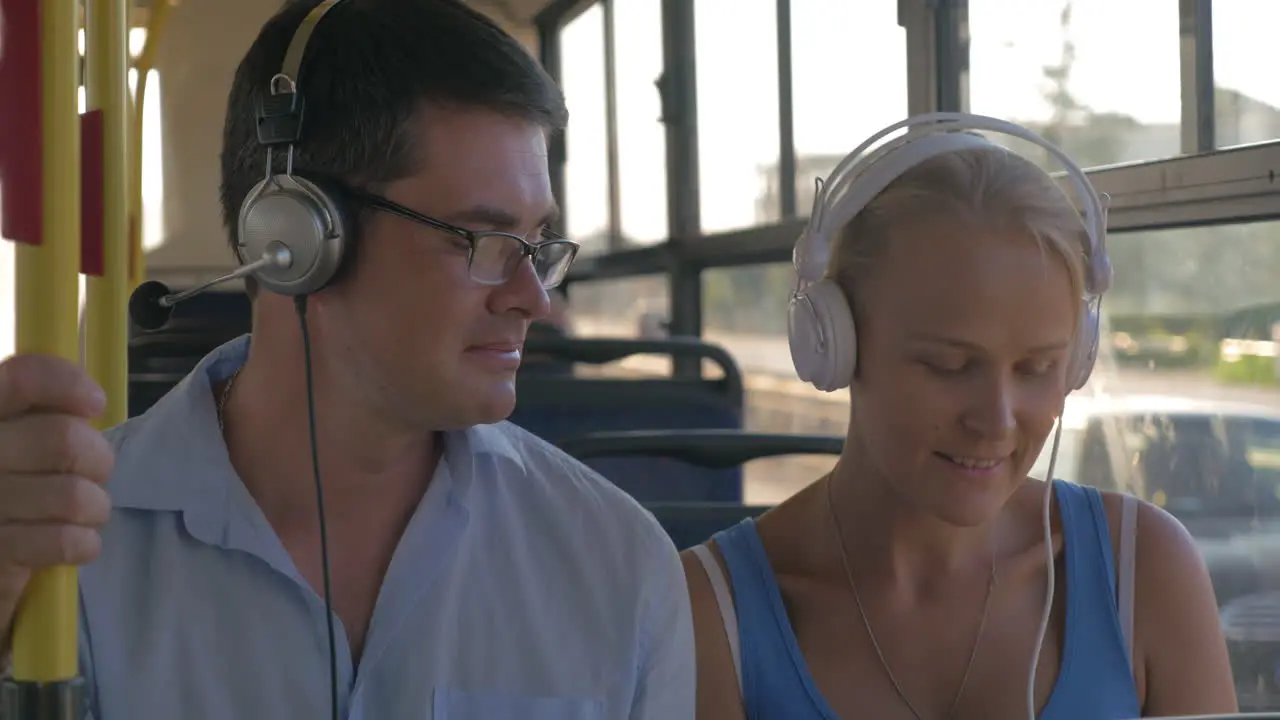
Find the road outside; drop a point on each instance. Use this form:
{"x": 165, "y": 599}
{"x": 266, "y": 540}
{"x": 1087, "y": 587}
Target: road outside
{"x": 768, "y": 355}
{"x": 765, "y": 360}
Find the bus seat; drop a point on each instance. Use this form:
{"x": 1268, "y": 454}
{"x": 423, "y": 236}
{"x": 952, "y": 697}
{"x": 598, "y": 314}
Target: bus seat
{"x": 232, "y": 311}
{"x": 690, "y": 523}
{"x": 559, "y": 407}
{"x": 227, "y": 307}
{"x": 715, "y": 449}
{"x": 552, "y": 346}
{"x": 534, "y": 364}
{"x": 159, "y": 359}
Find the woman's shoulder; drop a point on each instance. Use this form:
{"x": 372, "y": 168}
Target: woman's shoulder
{"x": 719, "y": 695}
{"x": 1166, "y": 556}
{"x": 791, "y": 541}
{"x": 1178, "y": 642}
{"x": 1160, "y": 528}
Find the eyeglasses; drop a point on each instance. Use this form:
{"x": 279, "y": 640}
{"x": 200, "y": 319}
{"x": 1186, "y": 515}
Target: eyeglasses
{"x": 494, "y": 257}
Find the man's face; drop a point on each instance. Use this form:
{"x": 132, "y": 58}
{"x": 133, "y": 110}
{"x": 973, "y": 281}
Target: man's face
{"x": 420, "y": 335}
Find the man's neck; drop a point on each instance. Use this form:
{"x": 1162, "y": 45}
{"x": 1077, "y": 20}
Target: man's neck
{"x": 365, "y": 456}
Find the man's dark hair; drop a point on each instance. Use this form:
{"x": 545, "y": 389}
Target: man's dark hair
{"x": 370, "y": 66}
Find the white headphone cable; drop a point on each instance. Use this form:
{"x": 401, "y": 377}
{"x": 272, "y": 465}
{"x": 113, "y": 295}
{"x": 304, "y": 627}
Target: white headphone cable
{"x": 1049, "y": 572}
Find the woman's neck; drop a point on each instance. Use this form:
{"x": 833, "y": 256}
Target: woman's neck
{"x": 892, "y": 540}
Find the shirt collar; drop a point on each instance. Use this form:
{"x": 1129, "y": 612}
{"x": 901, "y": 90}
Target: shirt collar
{"x": 173, "y": 457}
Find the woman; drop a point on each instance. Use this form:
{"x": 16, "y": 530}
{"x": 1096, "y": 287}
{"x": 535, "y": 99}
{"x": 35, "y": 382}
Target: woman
{"x": 911, "y": 582}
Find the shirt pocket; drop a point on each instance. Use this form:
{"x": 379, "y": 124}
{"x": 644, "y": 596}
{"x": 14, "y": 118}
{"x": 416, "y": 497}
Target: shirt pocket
{"x": 454, "y": 704}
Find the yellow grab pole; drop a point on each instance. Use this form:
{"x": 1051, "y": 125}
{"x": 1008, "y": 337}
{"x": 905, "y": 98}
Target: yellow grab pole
{"x": 106, "y": 307}
{"x": 45, "y": 631}
{"x": 159, "y": 14}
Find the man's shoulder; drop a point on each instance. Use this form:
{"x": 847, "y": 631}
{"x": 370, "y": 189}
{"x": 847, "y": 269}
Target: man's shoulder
{"x": 542, "y": 463}
{"x": 552, "y": 481}
{"x": 170, "y": 422}
{"x": 118, "y": 435}
{"x": 170, "y": 457}
{"x": 131, "y": 441}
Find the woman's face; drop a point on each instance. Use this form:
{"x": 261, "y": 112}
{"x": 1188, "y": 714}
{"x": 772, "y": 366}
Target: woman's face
{"x": 963, "y": 341}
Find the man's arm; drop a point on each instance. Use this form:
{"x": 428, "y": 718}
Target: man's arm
{"x": 1176, "y": 626}
{"x": 668, "y": 676}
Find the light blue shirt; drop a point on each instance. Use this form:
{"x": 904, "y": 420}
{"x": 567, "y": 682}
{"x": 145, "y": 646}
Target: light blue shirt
{"x": 525, "y": 586}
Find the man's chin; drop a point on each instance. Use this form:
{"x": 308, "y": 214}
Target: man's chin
{"x": 492, "y": 404}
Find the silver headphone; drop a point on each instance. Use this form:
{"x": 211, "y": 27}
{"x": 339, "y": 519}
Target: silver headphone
{"x": 299, "y": 230}
{"x": 820, "y": 322}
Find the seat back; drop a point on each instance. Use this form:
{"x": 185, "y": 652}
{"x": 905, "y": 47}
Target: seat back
{"x": 690, "y": 523}
{"x": 160, "y": 359}
{"x": 555, "y": 346}
{"x": 558, "y": 407}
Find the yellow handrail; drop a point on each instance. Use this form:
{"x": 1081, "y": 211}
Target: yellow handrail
{"x": 46, "y": 628}
{"x": 106, "y": 305}
{"x": 145, "y": 62}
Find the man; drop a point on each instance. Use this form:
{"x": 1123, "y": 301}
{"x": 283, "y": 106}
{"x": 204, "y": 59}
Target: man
{"x": 476, "y": 572}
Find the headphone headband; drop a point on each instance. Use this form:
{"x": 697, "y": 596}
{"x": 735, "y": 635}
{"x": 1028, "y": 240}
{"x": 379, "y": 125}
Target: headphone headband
{"x": 298, "y": 45}
{"x": 303, "y": 223}
{"x": 862, "y": 175}
{"x": 281, "y": 110}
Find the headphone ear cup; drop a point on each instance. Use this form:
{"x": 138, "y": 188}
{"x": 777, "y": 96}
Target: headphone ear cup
{"x": 345, "y": 214}
{"x": 822, "y": 336}
{"x": 1084, "y": 349}
{"x": 310, "y": 218}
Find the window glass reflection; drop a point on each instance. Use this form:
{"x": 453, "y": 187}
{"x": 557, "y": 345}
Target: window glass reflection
{"x": 849, "y": 79}
{"x": 737, "y": 70}
{"x": 1100, "y": 79}
{"x": 1246, "y": 96}
{"x": 586, "y": 170}
{"x": 642, "y": 160}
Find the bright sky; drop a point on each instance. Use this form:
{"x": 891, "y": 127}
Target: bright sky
{"x": 850, "y": 80}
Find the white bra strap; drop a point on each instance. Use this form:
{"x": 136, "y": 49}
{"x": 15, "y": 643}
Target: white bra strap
{"x": 728, "y": 615}
{"x": 1128, "y": 552}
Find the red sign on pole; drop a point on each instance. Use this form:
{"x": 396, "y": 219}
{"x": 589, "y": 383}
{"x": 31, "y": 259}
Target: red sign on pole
{"x": 21, "y": 186}
{"x": 92, "y": 203}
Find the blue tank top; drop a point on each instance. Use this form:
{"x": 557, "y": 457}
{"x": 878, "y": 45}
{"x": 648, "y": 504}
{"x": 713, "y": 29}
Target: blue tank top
{"x": 1095, "y": 679}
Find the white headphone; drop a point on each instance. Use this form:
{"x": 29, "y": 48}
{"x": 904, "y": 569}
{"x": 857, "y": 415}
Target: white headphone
{"x": 820, "y": 322}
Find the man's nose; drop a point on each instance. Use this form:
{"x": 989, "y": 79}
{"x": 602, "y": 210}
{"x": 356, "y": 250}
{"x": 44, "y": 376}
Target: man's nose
{"x": 522, "y": 293}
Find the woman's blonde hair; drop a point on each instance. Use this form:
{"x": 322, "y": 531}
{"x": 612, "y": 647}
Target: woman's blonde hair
{"x": 990, "y": 186}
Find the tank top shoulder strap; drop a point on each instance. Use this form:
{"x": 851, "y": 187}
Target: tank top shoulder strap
{"x": 1095, "y": 623}
{"x": 1102, "y": 584}
{"x": 747, "y": 569}
{"x": 724, "y": 602}
{"x": 1086, "y": 533}
{"x": 1089, "y": 526}
{"x": 1128, "y": 560}
{"x": 771, "y": 671}
{"x": 745, "y": 560}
